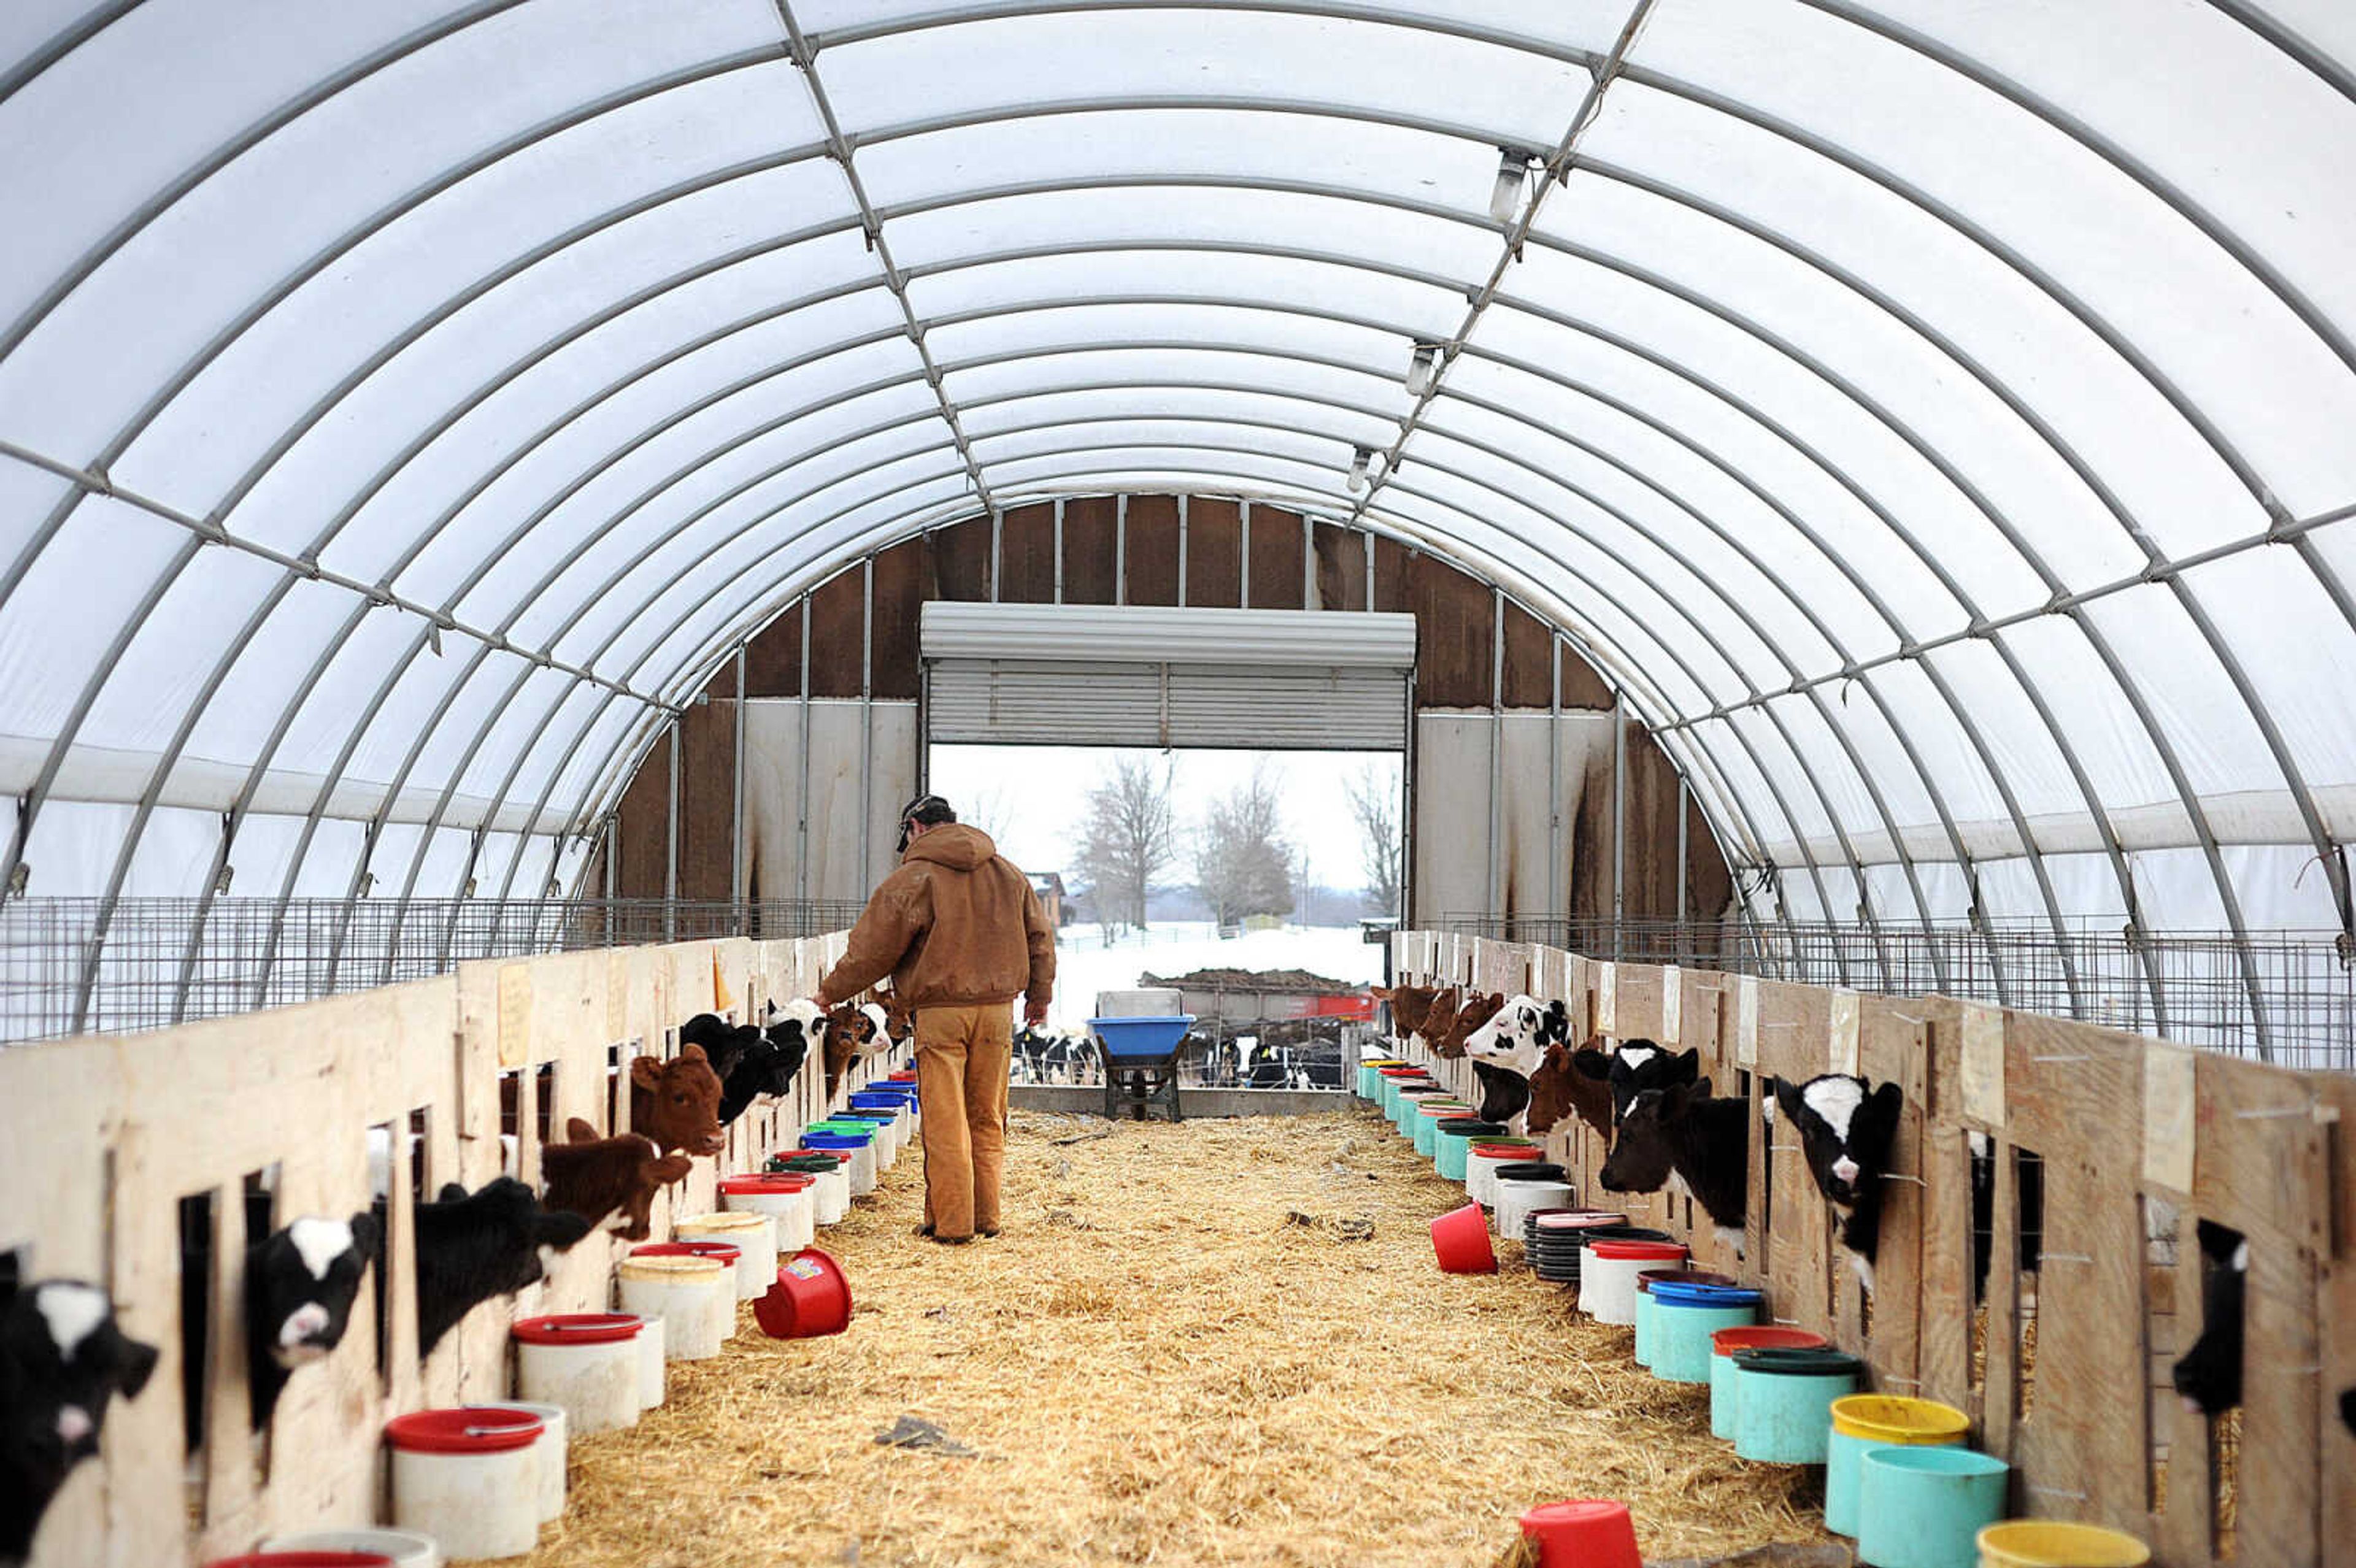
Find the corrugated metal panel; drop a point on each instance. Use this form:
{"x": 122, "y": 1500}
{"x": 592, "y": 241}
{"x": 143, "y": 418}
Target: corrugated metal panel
{"x": 1136, "y": 633}
{"x": 1032, "y": 702}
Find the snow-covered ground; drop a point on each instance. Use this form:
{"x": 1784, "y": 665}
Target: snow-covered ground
{"x": 1085, "y": 966}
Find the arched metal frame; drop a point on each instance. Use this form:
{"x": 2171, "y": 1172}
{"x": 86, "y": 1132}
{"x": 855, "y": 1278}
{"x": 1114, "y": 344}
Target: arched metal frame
{"x": 1678, "y": 728}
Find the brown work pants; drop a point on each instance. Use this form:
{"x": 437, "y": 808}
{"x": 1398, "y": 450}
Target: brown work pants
{"x": 961, "y": 1062}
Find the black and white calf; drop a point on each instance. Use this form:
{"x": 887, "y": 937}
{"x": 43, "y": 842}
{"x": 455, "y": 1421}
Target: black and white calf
{"x": 2209, "y": 1375}
{"x": 63, "y": 1359}
{"x": 1847, "y": 1128}
{"x": 1704, "y": 1140}
{"x": 1507, "y": 1051}
{"x": 300, "y": 1284}
{"x": 1638, "y": 1067}
{"x": 471, "y": 1248}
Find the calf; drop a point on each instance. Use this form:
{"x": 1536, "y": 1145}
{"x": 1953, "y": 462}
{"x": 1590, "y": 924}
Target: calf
{"x": 1705, "y": 1140}
{"x": 721, "y": 1042}
{"x": 2209, "y": 1375}
{"x": 595, "y": 1177}
{"x": 849, "y": 1035}
{"x": 677, "y": 1103}
{"x": 1521, "y": 1056}
{"x": 471, "y": 1248}
{"x": 1409, "y": 1005}
{"x": 1637, "y": 1067}
{"x": 1476, "y": 1010}
{"x": 768, "y": 1066}
{"x": 300, "y": 1284}
{"x": 1847, "y": 1128}
{"x": 61, "y": 1359}
{"x": 880, "y": 1017}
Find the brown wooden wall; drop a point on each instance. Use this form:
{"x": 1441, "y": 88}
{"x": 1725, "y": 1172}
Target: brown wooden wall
{"x": 1167, "y": 550}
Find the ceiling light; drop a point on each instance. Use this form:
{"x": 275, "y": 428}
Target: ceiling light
{"x": 1513, "y": 168}
{"x": 1358, "y": 466}
{"x": 1419, "y": 368}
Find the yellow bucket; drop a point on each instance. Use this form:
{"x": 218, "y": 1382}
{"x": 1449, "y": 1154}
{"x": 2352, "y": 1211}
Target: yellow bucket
{"x": 2040, "y": 1543}
{"x": 1887, "y": 1418}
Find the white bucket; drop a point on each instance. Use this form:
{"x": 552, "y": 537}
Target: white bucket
{"x": 550, "y": 1448}
{"x": 685, "y": 1293}
{"x": 831, "y": 1199}
{"x": 1607, "y": 1286}
{"x": 791, "y": 1205}
{"x": 651, "y": 1371}
{"x": 1516, "y": 1198}
{"x": 469, "y": 1479}
{"x": 585, "y": 1362}
{"x": 1480, "y": 1174}
{"x": 862, "y": 1169}
{"x": 405, "y": 1547}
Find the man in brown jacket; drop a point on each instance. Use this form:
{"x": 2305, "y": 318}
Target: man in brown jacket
{"x": 960, "y": 933}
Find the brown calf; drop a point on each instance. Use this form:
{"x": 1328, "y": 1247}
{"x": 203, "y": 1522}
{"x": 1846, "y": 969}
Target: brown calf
{"x": 677, "y": 1103}
{"x": 595, "y": 1177}
{"x": 849, "y": 1033}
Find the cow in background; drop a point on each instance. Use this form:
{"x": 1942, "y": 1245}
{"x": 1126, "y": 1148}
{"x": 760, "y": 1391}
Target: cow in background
{"x": 1705, "y": 1140}
{"x": 677, "y": 1103}
{"x": 1409, "y": 1006}
{"x": 595, "y": 1177}
{"x": 1476, "y": 1008}
{"x": 473, "y": 1247}
{"x": 1847, "y": 1129}
{"x": 1522, "y": 1058}
{"x": 62, "y": 1359}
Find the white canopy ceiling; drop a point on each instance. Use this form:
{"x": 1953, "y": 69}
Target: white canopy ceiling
{"x": 404, "y": 406}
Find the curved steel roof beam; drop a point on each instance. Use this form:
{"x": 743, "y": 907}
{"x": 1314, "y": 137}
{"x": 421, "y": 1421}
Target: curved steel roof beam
{"x": 66, "y": 40}
{"x": 2310, "y": 57}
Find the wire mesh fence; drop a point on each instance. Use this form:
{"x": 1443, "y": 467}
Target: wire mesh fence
{"x": 2286, "y": 996}
{"x": 81, "y": 966}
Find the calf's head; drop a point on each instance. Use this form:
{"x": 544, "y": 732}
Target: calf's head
{"x": 472, "y": 1247}
{"x": 1646, "y": 1149}
{"x": 1517, "y": 1033}
{"x": 1409, "y": 1004}
{"x": 301, "y": 1283}
{"x": 594, "y": 1178}
{"x": 1846, "y": 1129}
{"x": 63, "y": 1359}
{"x": 2208, "y": 1377}
{"x": 1476, "y": 1009}
{"x": 677, "y": 1103}
{"x": 850, "y": 1034}
{"x": 1638, "y": 1065}
{"x": 720, "y": 1041}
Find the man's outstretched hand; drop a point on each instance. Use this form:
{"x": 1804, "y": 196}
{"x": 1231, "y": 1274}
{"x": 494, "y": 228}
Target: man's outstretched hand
{"x": 1034, "y": 1014}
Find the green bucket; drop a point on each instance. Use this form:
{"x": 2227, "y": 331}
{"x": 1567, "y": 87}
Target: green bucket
{"x": 1924, "y": 1507}
{"x": 1783, "y": 1403}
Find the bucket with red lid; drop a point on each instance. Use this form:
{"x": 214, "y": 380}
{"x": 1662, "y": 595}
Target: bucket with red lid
{"x": 790, "y": 1198}
{"x": 731, "y": 1259}
{"x": 585, "y": 1361}
{"x": 372, "y": 1543}
{"x": 469, "y": 1479}
{"x": 1607, "y": 1274}
{"x": 303, "y": 1559}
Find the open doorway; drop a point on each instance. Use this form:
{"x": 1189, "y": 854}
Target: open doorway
{"x": 1245, "y": 874}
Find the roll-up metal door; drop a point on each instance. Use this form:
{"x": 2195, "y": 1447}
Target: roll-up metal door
{"x": 1151, "y": 676}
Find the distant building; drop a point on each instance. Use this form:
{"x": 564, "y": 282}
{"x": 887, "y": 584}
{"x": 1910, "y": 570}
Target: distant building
{"x": 1049, "y": 886}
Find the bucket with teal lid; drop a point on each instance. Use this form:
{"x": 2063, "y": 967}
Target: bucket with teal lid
{"x": 1783, "y": 1403}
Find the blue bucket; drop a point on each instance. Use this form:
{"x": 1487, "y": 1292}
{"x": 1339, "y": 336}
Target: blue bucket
{"x": 1924, "y": 1507}
{"x": 1685, "y": 1316}
{"x": 1141, "y": 1037}
{"x": 1783, "y": 1403}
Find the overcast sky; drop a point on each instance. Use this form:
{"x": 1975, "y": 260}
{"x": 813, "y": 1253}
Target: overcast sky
{"x": 1038, "y": 796}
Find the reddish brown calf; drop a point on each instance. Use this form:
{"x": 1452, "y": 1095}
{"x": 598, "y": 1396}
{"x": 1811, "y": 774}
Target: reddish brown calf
{"x": 677, "y": 1103}
{"x": 595, "y": 1177}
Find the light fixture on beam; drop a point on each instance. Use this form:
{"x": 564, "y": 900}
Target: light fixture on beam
{"x": 1505, "y": 195}
{"x": 1359, "y": 465}
{"x": 1420, "y": 369}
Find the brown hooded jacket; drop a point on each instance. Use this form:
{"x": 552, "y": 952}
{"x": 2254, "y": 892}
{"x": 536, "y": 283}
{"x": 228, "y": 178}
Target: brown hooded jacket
{"x": 957, "y": 925}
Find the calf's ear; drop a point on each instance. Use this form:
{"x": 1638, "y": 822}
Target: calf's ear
{"x": 694, "y": 1053}
{"x": 557, "y": 1229}
{"x": 364, "y": 1236}
{"x": 1884, "y": 1105}
{"x": 452, "y": 1192}
{"x": 1787, "y": 1098}
{"x": 137, "y": 1363}
{"x": 1686, "y": 1068}
{"x": 1591, "y": 1062}
{"x": 646, "y": 1073}
{"x": 672, "y": 1168}
{"x": 578, "y": 1131}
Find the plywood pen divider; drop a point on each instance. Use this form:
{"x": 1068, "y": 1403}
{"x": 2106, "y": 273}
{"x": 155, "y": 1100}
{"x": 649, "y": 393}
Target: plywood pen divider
{"x": 2102, "y": 1149}
{"x": 102, "y": 1138}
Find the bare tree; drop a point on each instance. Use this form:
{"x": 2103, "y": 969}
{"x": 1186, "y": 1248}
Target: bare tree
{"x": 1243, "y": 862}
{"x": 1130, "y": 834}
{"x": 1373, "y": 802}
{"x": 989, "y": 810}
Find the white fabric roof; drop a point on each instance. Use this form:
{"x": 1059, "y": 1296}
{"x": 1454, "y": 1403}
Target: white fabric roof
{"x": 403, "y": 404}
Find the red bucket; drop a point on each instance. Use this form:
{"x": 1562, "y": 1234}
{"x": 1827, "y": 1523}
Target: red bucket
{"x": 1459, "y": 1239}
{"x": 304, "y": 1560}
{"x": 811, "y": 1298}
{"x": 1591, "y": 1533}
{"x": 725, "y": 1251}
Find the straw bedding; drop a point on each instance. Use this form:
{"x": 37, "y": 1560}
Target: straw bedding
{"x": 1185, "y": 1349}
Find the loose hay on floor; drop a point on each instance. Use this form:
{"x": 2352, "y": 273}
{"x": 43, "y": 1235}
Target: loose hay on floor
{"x": 1159, "y": 1363}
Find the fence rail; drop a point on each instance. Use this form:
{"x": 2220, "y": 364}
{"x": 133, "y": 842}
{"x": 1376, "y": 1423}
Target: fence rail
{"x": 86, "y": 965}
{"x": 2191, "y": 987}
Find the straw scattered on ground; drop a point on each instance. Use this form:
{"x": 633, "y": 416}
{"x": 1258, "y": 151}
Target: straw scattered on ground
{"x": 1185, "y": 1348}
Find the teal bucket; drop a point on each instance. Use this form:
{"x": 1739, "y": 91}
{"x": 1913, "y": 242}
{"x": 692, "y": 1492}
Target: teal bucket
{"x": 1370, "y": 1081}
{"x": 1783, "y": 1403}
{"x": 1410, "y": 1101}
{"x": 1643, "y": 1322}
{"x": 1452, "y": 1149}
{"x": 1868, "y": 1421}
{"x": 1924, "y": 1507}
{"x": 1685, "y": 1316}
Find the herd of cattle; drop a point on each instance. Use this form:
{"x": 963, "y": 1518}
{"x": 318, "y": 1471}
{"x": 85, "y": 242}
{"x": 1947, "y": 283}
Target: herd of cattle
{"x": 1660, "y": 1117}
{"x": 63, "y": 1359}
